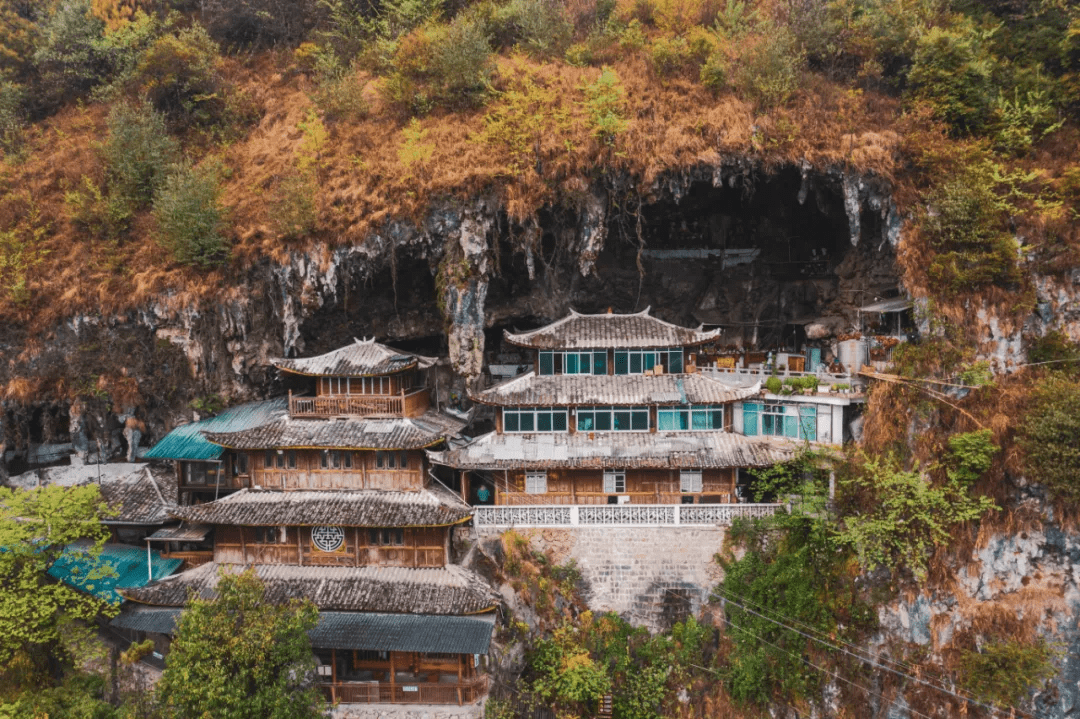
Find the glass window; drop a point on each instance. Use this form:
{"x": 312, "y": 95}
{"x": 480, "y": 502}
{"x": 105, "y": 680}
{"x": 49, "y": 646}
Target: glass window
{"x": 622, "y": 362}
{"x": 536, "y": 483}
{"x": 808, "y": 423}
{"x": 571, "y": 363}
{"x": 750, "y": 418}
{"x": 347, "y": 459}
{"x": 403, "y": 459}
{"x": 271, "y": 535}
{"x": 690, "y": 480}
{"x": 547, "y": 363}
{"x": 673, "y": 418}
{"x": 639, "y": 361}
{"x": 772, "y": 420}
{"x": 268, "y": 459}
{"x": 291, "y": 456}
{"x": 534, "y": 419}
{"x": 240, "y": 464}
{"x": 622, "y": 419}
{"x": 386, "y": 537}
{"x": 600, "y": 362}
{"x": 614, "y": 482}
{"x": 675, "y": 361}
{"x": 380, "y": 459}
{"x": 706, "y": 418}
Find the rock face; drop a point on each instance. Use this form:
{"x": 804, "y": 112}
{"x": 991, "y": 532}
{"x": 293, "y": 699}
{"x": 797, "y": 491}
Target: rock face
{"x": 1027, "y": 580}
{"x": 729, "y": 244}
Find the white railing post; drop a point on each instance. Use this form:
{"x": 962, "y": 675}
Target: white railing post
{"x": 678, "y": 514}
{"x": 574, "y": 515}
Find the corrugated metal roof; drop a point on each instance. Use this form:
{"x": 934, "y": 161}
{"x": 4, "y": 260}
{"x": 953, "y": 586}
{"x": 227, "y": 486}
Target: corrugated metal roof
{"x": 618, "y": 450}
{"x": 360, "y": 359}
{"x": 355, "y": 630}
{"x": 188, "y": 533}
{"x": 569, "y": 390}
{"x": 578, "y": 331}
{"x": 129, "y": 564}
{"x": 443, "y": 590}
{"x": 896, "y": 304}
{"x": 359, "y": 508}
{"x": 403, "y": 632}
{"x": 187, "y": 440}
{"x": 349, "y": 433}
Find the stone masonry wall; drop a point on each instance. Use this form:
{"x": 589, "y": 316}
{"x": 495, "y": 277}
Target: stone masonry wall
{"x": 652, "y": 576}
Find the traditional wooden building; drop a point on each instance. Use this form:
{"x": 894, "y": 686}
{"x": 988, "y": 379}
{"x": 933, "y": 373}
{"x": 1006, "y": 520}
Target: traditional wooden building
{"x": 337, "y": 506}
{"x": 614, "y": 411}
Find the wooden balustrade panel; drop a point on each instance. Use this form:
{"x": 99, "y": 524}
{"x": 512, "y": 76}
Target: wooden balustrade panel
{"x": 401, "y": 479}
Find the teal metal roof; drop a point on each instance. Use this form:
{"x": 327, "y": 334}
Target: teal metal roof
{"x": 187, "y": 441}
{"x": 355, "y": 630}
{"x": 129, "y": 565}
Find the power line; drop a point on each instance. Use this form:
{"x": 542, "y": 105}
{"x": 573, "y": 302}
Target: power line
{"x": 822, "y": 669}
{"x": 873, "y": 663}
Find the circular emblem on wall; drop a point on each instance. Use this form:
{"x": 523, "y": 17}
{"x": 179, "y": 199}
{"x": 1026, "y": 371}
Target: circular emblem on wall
{"x": 327, "y": 539}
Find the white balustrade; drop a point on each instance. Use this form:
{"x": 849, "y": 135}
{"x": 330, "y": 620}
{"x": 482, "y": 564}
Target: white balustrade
{"x": 619, "y": 515}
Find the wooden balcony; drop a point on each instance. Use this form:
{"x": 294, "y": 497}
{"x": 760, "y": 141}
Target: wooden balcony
{"x": 465, "y": 692}
{"x": 191, "y": 559}
{"x": 325, "y": 406}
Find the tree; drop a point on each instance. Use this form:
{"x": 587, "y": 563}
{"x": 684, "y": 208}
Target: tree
{"x": 189, "y": 213}
{"x": 1047, "y": 435}
{"x": 35, "y": 526}
{"x": 237, "y": 656}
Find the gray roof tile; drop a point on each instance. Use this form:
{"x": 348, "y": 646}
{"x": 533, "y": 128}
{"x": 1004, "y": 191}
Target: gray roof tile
{"x": 349, "y": 433}
{"x": 445, "y": 590}
{"x": 618, "y": 450}
{"x": 578, "y": 331}
{"x": 360, "y": 359}
{"x": 568, "y": 390}
{"x": 346, "y": 508}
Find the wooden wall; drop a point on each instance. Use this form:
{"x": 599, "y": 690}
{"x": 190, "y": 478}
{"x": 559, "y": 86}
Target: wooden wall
{"x": 356, "y": 386}
{"x": 422, "y": 547}
{"x": 364, "y": 474}
{"x": 586, "y": 486}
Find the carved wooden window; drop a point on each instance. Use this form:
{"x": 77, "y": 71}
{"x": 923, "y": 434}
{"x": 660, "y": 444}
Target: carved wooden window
{"x": 386, "y": 537}
{"x": 271, "y": 535}
{"x": 328, "y": 539}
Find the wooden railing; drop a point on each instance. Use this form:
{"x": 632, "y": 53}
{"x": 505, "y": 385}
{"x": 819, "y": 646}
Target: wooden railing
{"x": 466, "y": 692}
{"x": 359, "y": 405}
{"x": 191, "y": 559}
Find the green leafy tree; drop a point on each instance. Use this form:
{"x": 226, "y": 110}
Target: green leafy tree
{"x": 69, "y": 59}
{"x": 895, "y": 517}
{"x": 178, "y": 74}
{"x": 238, "y": 656}
{"x": 1047, "y": 435}
{"x": 35, "y": 526}
{"x": 190, "y": 216}
{"x": 953, "y": 72}
{"x": 970, "y": 456}
{"x": 137, "y": 153}
{"x": 1005, "y": 671}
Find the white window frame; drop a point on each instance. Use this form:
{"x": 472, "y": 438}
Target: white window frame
{"x": 536, "y": 483}
{"x": 610, "y": 412}
{"x": 613, "y": 480}
{"x": 536, "y": 412}
{"x": 690, "y": 481}
{"x": 777, "y": 412}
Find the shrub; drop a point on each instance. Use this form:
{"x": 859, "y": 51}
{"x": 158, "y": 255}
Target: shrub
{"x": 1006, "y": 671}
{"x": 529, "y": 120}
{"x": 952, "y": 72}
{"x": 447, "y": 65}
{"x": 293, "y": 208}
{"x": 605, "y": 104}
{"x": 259, "y": 23}
{"x": 970, "y": 456}
{"x": 190, "y": 217}
{"x": 542, "y": 27}
{"x": 767, "y": 71}
{"x": 340, "y": 93}
{"x": 1047, "y": 435}
{"x": 137, "y": 153}
{"x": 1055, "y": 347}
{"x": 1022, "y": 120}
{"x": 12, "y": 117}
{"x": 894, "y": 517}
{"x": 68, "y": 59}
{"x": 414, "y": 150}
{"x": 178, "y": 74}
{"x": 774, "y": 385}
{"x": 102, "y": 214}
{"x": 714, "y": 72}
{"x": 966, "y": 228}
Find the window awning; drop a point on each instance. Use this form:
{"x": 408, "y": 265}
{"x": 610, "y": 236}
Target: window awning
{"x": 190, "y": 533}
{"x": 355, "y": 630}
{"x": 896, "y": 304}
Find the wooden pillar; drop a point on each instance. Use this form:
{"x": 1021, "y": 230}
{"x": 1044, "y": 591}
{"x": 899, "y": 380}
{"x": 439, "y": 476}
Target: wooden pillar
{"x": 243, "y": 545}
{"x": 393, "y": 678}
{"x": 299, "y": 546}
{"x": 653, "y": 421}
{"x": 333, "y": 675}
{"x": 465, "y": 486}
{"x": 498, "y": 421}
{"x": 461, "y": 660}
{"x": 356, "y": 540}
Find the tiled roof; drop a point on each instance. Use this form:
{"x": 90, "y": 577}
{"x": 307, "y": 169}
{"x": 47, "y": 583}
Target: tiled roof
{"x": 403, "y": 632}
{"x": 577, "y": 331}
{"x": 444, "y": 590}
{"x": 355, "y": 630}
{"x": 567, "y": 390}
{"x": 183, "y": 533}
{"x": 138, "y": 493}
{"x": 359, "y": 508}
{"x": 188, "y": 442}
{"x": 131, "y": 567}
{"x": 360, "y": 359}
{"x": 368, "y": 433}
{"x": 617, "y": 450}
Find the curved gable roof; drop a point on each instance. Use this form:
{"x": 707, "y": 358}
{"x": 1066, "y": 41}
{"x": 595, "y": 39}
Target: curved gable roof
{"x": 360, "y": 359}
{"x": 579, "y": 331}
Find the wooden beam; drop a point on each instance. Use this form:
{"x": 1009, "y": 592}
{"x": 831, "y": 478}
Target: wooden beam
{"x": 333, "y": 675}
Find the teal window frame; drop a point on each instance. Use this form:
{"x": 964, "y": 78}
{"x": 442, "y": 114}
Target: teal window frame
{"x": 554, "y": 362}
{"x": 751, "y": 411}
{"x": 639, "y": 361}
{"x": 613, "y": 419}
{"x": 808, "y": 423}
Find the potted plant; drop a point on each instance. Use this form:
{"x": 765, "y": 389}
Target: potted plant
{"x": 774, "y": 385}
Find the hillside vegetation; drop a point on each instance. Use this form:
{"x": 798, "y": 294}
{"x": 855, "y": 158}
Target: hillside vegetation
{"x": 154, "y": 145}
